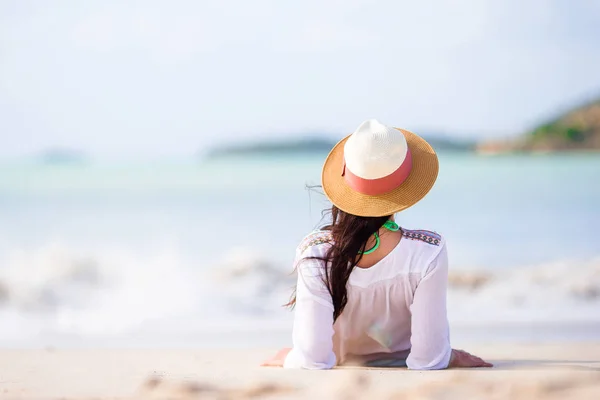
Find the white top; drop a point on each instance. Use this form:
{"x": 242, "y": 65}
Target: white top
{"x": 396, "y": 308}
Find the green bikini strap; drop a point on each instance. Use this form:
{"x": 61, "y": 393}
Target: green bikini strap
{"x": 372, "y": 249}
{"x": 390, "y": 226}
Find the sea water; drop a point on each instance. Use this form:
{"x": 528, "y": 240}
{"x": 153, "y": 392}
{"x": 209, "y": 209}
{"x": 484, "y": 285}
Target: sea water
{"x": 178, "y": 250}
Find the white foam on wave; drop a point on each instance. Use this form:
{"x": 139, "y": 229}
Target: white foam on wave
{"x": 55, "y": 288}
{"x": 560, "y": 291}
{"x": 111, "y": 291}
{"x": 252, "y": 282}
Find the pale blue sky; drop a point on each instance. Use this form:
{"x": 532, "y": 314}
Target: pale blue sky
{"x": 164, "y": 78}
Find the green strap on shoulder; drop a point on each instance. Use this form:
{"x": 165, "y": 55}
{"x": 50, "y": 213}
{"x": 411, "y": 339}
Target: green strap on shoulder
{"x": 372, "y": 249}
{"x": 390, "y": 226}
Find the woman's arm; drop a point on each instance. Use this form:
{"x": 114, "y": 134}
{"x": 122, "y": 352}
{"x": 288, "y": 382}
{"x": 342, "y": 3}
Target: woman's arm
{"x": 313, "y": 323}
{"x": 430, "y": 337}
{"x": 430, "y": 334}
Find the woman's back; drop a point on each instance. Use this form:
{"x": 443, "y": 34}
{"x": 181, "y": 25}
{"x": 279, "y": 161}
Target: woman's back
{"x": 405, "y": 287}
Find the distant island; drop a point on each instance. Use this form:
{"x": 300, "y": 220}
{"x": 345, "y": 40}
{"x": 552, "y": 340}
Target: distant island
{"x": 444, "y": 143}
{"x": 577, "y": 129}
{"x": 308, "y": 145}
{"x": 59, "y": 156}
{"x": 315, "y": 145}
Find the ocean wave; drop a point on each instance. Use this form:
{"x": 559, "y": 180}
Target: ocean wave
{"x": 559, "y": 291}
{"x": 58, "y": 289}
{"x": 107, "y": 291}
{"x": 579, "y": 281}
{"x": 251, "y": 282}
{"x": 565, "y": 290}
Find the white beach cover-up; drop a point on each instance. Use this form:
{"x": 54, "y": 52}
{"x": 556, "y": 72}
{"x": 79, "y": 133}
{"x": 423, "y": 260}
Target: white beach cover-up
{"x": 396, "y": 308}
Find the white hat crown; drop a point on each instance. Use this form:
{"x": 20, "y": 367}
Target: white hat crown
{"x": 375, "y": 150}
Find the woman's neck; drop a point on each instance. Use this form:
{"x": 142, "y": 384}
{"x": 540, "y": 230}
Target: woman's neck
{"x": 388, "y": 241}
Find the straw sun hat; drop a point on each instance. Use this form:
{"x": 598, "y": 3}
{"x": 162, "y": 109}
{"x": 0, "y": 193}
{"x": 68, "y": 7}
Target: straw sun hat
{"x": 379, "y": 170}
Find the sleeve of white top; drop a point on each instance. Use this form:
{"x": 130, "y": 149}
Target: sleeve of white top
{"x": 430, "y": 335}
{"x": 312, "y": 335}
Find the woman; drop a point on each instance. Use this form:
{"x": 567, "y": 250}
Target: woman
{"x": 368, "y": 291}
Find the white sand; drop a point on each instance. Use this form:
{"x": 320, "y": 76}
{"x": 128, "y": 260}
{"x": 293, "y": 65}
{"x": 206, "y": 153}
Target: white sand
{"x": 525, "y": 371}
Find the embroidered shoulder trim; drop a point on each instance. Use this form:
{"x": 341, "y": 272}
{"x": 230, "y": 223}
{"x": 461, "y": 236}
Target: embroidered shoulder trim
{"x": 424, "y": 236}
{"x": 314, "y": 239}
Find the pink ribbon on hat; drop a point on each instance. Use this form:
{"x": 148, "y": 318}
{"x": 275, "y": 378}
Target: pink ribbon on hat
{"x": 374, "y": 187}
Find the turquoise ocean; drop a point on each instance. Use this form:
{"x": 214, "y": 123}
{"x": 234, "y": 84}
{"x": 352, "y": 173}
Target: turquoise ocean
{"x": 179, "y": 251}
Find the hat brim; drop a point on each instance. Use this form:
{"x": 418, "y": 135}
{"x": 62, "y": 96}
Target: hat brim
{"x": 421, "y": 179}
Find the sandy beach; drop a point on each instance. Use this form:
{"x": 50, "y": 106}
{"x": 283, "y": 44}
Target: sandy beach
{"x": 522, "y": 371}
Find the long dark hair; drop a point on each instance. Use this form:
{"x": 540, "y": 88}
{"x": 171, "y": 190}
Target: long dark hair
{"x": 350, "y": 234}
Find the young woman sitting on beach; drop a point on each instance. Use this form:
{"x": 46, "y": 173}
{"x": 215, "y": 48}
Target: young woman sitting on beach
{"x": 370, "y": 292}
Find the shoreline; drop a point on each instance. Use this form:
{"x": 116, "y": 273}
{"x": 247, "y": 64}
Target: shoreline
{"x": 266, "y": 336}
{"x": 532, "y": 371}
